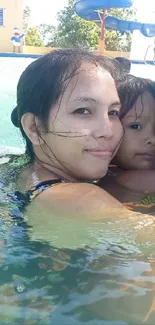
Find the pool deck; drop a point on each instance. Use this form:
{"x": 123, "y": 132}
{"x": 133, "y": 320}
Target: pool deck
{"x": 143, "y": 62}
{"x": 36, "y": 56}
{"x": 19, "y": 55}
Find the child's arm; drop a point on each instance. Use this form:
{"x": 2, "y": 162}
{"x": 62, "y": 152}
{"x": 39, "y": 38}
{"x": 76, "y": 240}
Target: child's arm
{"x": 137, "y": 180}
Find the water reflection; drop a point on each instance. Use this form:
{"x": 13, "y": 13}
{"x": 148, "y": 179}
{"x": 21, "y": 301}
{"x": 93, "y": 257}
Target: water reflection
{"x": 42, "y": 284}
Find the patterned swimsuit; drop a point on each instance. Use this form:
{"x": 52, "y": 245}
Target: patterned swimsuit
{"x": 33, "y": 192}
{"x": 19, "y": 200}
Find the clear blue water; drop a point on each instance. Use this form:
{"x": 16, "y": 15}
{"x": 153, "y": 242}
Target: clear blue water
{"x": 144, "y": 71}
{"x": 10, "y": 71}
{"x": 64, "y": 271}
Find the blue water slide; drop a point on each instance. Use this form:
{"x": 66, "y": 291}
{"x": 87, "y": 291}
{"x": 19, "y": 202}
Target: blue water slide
{"x": 87, "y": 9}
{"x": 147, "y": 30}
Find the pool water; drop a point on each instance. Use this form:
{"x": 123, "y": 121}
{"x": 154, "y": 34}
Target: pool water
{"x": 10, "y": 71}
{"x": 65, "y": 271}
{"x": 143, "y": 71}
{"x": 98, "y": 273}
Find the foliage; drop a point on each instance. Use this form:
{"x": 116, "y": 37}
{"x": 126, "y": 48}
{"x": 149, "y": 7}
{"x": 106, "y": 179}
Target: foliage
{"x": 32, "y": 37}
{"x": 26, "y": 17}
{"x": 48, "y": 34}
{"x": 76, "y": 32}
{"x": 72, "y": 31}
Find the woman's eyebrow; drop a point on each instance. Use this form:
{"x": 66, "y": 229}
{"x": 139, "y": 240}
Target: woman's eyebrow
{"x": 87, "y": 99}
{"x": 96, "y": 101}
{"x": 114, "y": 104}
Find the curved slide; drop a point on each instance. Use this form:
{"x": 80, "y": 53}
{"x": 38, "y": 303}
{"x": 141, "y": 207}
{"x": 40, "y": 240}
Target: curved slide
{"x": 147, "y": 30}
{"x": 87, "y": 9}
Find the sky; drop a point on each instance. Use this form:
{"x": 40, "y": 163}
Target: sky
{"x": 44, "y": 11}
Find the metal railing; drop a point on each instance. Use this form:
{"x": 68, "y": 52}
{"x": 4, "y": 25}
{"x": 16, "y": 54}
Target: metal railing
{"x": 145, "y": 57}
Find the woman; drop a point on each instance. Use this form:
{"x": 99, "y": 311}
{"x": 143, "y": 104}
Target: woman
{"x": 68, "y": 112}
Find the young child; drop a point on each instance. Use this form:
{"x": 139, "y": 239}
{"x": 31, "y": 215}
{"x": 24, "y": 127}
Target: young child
{"x": 124, "y": 65}
{"x": 134, "y": 163}
{"x": 137, "y": 150}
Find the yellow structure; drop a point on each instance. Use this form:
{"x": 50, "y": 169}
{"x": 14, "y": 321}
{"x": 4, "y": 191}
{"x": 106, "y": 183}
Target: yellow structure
{"x": 44, "y": 50}
{"x": 12, "y": 17}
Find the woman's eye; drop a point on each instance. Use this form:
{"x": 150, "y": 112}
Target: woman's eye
{"x": 135, "y": 126}
{"x": 82, "y": 111}
{"x": 114, "y": 113}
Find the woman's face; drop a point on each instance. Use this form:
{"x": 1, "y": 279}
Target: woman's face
{"x": 84, "y": 127}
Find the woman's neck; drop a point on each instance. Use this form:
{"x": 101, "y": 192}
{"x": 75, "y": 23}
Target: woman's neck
{"x": 42, "y": 171}
{"x": 37, "y": 173}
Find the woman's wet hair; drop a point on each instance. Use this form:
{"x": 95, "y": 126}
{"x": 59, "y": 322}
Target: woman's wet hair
{"x": 44, "y": 81}
{"x": 130, "y": 88}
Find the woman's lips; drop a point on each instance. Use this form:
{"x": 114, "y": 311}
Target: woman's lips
{"x": 100, "y": 153}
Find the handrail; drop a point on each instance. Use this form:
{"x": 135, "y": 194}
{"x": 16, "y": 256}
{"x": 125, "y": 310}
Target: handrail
{"x": 147, "y": 53}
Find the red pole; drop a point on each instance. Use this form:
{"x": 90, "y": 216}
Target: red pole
{"x": 101, "y": 44}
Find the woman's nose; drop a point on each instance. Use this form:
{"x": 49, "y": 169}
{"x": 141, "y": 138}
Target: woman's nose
{"x": 104, "y": 128}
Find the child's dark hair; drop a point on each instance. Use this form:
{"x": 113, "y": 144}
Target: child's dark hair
{"x": 130, "y": 88}
{"x": 45, "y": 80}
{"x": 124, "y": 65}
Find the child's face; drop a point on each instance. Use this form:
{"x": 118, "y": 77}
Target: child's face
{"x": 137, "y": 150}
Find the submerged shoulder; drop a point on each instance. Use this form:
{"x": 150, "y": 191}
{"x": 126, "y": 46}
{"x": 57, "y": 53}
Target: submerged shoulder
{"x": 79, "y": 197}
{"x": 72, "y": 190}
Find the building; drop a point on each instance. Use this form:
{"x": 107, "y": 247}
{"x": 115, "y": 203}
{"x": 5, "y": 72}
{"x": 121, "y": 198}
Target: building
{"x": 11, "y": 15}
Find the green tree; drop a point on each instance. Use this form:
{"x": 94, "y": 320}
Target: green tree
{"x": 72, "y": 31}
{"x": 76, "y": 32}
{"x": 33, "y": 38}
{"x": 26, "y": 17}
{"x": 48, "y": 34}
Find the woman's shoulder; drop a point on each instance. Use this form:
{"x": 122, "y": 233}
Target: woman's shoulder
{"x": 76, "y": 197}
{"x": 74, "y": 189}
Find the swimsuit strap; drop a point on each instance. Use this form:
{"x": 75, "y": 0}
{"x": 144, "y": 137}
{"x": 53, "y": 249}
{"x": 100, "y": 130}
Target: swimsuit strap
{"x": 34, "y": 191}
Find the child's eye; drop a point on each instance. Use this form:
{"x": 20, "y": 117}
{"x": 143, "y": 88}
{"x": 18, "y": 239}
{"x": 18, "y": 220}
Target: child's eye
{"x": 135, "y": 126}
{"x": 82, "y": 111}
{"x": 114, "y": 113}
